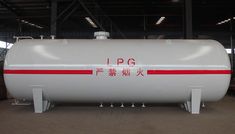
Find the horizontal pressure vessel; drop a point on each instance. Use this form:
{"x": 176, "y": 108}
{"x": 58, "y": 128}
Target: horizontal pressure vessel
{"x": 72, "y": 70}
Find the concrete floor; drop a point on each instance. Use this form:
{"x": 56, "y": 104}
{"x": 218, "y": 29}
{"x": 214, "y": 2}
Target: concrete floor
{"x": 216, "y": 118}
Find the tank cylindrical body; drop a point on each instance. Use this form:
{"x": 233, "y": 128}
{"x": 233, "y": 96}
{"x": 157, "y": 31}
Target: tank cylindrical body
{"x": 117, "y": 70}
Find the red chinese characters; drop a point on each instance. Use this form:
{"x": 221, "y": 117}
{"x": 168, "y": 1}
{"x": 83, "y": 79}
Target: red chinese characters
{"x": 140, "y": 72}
{"x": 99, "y": 70}
{"x": 112, "y": 72}
{"x": 126, "y": 72}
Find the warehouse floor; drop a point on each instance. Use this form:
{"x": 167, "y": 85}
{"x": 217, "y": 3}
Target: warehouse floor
{"x": 216, "y": 118}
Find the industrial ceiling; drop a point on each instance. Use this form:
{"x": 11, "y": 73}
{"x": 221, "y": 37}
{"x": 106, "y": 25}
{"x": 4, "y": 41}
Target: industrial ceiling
{"x": 122, "y": 18}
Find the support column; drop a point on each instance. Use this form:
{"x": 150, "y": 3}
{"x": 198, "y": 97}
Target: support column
{"x": 195, "y": 101}
{"x": 188, "y": 30}
{"x": 38, "y": 100}
{"x": 53, "y": 17}
{"x": 40, "y": 105}
{"x": 193, "y": 105}
{"x": 188, "y": 106}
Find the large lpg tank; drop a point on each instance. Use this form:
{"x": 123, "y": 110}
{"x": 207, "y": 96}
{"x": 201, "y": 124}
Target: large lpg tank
{"x": 72, "y": 70}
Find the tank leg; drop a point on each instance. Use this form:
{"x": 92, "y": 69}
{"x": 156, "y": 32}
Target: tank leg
{"x": 37, "y": 100}
{"x": 133, "y": 105}
{"x": 203, "y": 105}
{"x": 122, "y": 105}
{"x": 143, "y": 105}
{"x": 101, "y": 105}
{"x": 195, "y": 101}
{"x": 111, "y": 105}
{"x": 187, "y": 106}
{"x": 46, "y": 105}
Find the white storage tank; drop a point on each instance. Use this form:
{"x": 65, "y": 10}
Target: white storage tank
{"x": 143, "y": 71}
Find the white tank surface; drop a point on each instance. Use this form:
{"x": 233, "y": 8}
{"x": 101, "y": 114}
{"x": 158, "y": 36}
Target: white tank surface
{"x": 111, "y": 71}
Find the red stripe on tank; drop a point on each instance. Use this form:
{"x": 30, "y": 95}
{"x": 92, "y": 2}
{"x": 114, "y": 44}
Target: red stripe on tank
{"x": 82, "y": 72}
{"x": 90, "y": 72}
{"x": 183, "y": 72}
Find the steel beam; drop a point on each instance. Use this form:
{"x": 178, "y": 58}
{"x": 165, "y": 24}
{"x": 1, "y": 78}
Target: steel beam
{"x": 90, "y": 14}
{"x": 110, "y": 20}
{"x": 188, "y": 29}
{"x": 69, "y": 14}
{"x": 8, "y": 7}
{"x": 66, "y": 9}
{"x": 53, "y": 17}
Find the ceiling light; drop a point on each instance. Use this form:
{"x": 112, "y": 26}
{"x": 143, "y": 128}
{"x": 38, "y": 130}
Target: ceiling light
{"x": 31, "y": 24}
{"x": 160, "y": 20}
{"x": 91, "y": 22}
{"x": 224, "y": 21}
{"x": 227, "y": 20}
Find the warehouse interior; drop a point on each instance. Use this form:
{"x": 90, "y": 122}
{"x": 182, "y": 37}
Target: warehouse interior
{"x": 123, "y": 19}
